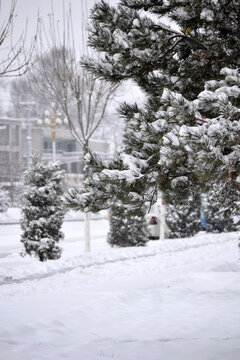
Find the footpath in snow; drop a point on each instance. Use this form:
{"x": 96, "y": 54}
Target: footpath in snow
{"x": 177, "y": 299}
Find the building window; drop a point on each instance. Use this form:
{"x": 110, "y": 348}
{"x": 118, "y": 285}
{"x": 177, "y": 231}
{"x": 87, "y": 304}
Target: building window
{"x": 61, "y": 145}
{"x": 47, "y": 145}
{"x": 15, "y": 135}
{"x": 74, "y": 168}
{"x": 71, "y": 146}
{"x": 4, "y": 157}
{"x": 4, "y": 134}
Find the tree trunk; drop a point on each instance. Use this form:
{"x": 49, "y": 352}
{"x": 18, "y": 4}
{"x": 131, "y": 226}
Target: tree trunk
{"x": 87, "y": 238}
{"x": 87, "y": 233}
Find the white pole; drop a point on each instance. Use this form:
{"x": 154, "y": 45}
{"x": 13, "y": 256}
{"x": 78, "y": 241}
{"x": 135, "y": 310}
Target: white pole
{"x": 53, "y": 126}
{"x": 54, "y": 150}
{"x": 29, "y": 132}
{"x": 29, "y": 140}
{"x": 87, "y": 233}
{"x": 162, "y": 218}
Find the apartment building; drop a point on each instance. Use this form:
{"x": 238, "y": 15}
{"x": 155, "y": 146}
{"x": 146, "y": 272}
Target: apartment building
{"x": 14, "y": 148}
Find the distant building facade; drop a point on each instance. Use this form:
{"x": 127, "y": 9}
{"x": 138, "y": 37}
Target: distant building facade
{"x": 14, "y": 148}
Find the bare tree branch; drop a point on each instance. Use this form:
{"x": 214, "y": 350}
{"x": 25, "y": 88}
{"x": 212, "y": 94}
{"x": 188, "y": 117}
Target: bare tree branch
{"x": 15, "y": 58}
{"x": 59, "y": 75}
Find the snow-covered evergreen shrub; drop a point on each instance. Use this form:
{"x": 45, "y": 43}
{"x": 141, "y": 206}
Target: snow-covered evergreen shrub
{"x": 127, "y": 229}
{"x": 4, "y": 200}
{"x": 183, "y": 220}
{"x": 43, "y": 211}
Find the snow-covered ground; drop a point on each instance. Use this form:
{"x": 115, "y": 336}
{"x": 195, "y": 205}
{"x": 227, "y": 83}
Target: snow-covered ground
{"x": 178, "y": 299}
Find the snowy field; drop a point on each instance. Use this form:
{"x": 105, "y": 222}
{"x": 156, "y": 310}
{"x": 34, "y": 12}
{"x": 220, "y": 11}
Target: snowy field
{"x": 175, "y": 300}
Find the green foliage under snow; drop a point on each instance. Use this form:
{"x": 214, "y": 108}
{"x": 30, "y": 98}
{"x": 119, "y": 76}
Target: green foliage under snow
{"x": 43, "y": 211}
{"x": 127, "y": 229}
{"x": 183, "y": 220}
{"x": 184, "y": 139}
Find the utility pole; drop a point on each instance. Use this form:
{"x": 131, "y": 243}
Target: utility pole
{"x": 29, "y": 131}
{"x": 53, "y": 127}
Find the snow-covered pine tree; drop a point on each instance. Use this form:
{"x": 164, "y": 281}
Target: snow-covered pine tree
{"x": 183, "y": 220}
{"x": 126, "y": 228}
{"x": 126, "y": 175}
{"x": 43, "y": 211}
{"x": 216, "y": 220}
{"x": 4, "y": 200}
{"x": 211, "y": 145}
{"x": 136, "y": 175}
{"x": 137, "y": 44}
{"x": 148, "y": 40}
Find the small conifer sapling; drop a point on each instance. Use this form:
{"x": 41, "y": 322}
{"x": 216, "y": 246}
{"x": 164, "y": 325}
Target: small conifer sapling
{"x": 43, "y": 211}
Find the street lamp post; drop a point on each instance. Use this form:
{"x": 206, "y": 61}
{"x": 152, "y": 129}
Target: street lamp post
{"x": 53, "y": 118}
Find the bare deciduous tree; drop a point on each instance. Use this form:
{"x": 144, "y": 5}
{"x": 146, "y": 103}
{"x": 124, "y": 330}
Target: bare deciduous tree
{"x": 59, "y": 76}
{"x": 22, "y": 90}
{"x": 82, "y": 98}
{"x": 15, "y": 58}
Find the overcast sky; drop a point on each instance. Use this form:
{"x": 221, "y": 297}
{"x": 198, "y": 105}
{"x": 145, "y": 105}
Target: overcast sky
{"x": 27, "y": 10}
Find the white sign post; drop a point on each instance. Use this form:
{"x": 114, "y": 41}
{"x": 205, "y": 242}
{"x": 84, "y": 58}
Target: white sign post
{"x": 162, "y": 218}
